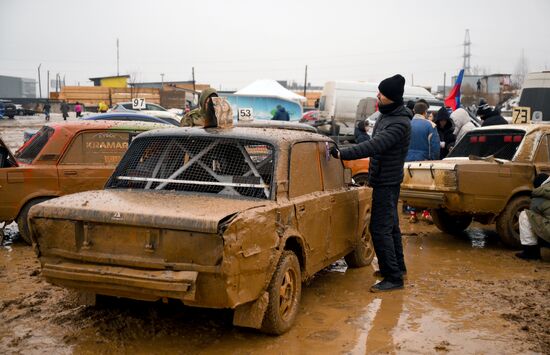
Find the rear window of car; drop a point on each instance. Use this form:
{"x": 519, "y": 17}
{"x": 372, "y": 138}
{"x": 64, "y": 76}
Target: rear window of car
{"x": 226, "y": 166}
{"x": 501, "y": 144}
{"x": 127, "y": 106}
{"x": 32, "y": 148}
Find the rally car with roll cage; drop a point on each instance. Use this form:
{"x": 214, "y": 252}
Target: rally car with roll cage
{"x": 487, "y": 177}
{"x": 221, "y": 218}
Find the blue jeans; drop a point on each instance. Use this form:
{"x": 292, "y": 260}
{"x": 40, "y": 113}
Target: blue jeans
{"x": 385, "y": 232}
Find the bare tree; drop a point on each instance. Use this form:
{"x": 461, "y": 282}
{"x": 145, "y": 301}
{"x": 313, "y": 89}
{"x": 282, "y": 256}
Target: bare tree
{"x": 522, "y": 68}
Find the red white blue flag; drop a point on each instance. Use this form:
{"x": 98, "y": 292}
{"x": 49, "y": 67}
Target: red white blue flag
{"x": 453, "y": 100}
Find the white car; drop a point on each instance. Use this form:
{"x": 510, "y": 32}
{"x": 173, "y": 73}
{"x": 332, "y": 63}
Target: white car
{"x": 150, "y": 109}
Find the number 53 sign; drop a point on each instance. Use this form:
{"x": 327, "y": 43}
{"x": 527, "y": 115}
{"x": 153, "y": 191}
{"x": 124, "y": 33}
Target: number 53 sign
{"x": 245, "y": 114}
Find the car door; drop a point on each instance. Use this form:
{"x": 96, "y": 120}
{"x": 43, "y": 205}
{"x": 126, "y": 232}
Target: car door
{"x": 90, "y": 160}
{"x": 542, "y": 158}
{"x": 343, "y": 203}
{"x": 312, "y": 205}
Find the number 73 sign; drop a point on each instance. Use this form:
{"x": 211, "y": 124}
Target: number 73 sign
{"x": 521, "y": 115}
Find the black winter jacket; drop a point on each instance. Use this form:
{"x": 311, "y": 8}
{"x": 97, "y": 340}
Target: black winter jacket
{"x": 446, "y": 134}
{"x": 493, "y": 119}
{"x": 387, "y": 148}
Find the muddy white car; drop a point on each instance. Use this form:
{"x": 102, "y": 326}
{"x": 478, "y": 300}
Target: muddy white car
{"x": 487, "y": 177}
{"x": 220, "y": 218}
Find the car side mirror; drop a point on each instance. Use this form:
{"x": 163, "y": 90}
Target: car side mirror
{"x": 347, "y": 176}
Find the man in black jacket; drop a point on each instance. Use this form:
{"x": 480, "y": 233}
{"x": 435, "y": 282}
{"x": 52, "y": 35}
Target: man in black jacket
{"x": 490, "y": 115}
{"x": 445, "y": 129}
{"x": 387, "y": 149}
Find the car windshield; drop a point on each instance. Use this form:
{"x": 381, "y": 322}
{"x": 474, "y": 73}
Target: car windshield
{"x": 152, "y": 107}
{"x": 226, "y": 166}
{"x": 501, "y": 144}
{"x": 32, "y": 148}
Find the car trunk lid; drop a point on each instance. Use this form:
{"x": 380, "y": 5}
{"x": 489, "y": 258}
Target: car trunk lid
{"x": 162, "y": 209}
{"x": 430, "y": 175}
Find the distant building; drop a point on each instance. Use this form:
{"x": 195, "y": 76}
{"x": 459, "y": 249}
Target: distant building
{"x": 186, "y": 85}
{"x": 494, "y": 88}
{"x": 13, "y": 87}
{"x": 117, "y": 81}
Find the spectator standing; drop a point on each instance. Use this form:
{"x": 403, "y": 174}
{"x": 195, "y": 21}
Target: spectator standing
{"x": 387, "y": 149}
{"x": 64, "y": 110}
{"x": 360, "y": 132}
{"x": 78, "y": 109}
{"x": 102, "y": 107}
{"x": 47, "y": 108}
{"x": 425, "y": 145}
{"x": 534, "y": 223}
{"x": 445, "y": 130}
{"x": 281, "y": 114}
{"x": 462, "y": 122}
{"x": 490, "y": 116}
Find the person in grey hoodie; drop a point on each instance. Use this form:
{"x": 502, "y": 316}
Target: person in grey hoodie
{"x": 462, "y": 122}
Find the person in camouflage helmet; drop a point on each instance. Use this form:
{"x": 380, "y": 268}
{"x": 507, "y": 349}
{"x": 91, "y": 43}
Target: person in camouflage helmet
{"x": 200, "y": 115}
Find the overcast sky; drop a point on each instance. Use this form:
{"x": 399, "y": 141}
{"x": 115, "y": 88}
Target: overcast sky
{"x": 231, "y": 43}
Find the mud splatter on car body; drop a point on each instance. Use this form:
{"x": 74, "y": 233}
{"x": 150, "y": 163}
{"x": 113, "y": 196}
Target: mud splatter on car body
{"x": 487, "y": 177}
{"x": 209, "y": 217}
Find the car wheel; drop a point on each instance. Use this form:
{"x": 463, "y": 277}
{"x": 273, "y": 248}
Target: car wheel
{"x": 285, "y": 290}
{"x": 361, "y": 179}
{"x": 451, "y": 224}
{"x": 22, "y": 219}
{"x": 363, "y": 253}
{"x": 508, "y": 221}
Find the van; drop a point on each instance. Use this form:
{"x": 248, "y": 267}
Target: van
{"x": 535, "y": 96}
{"x": 339, "y": 100}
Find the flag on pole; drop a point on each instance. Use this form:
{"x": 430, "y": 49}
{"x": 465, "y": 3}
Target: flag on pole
{"x": 453, "y": 100}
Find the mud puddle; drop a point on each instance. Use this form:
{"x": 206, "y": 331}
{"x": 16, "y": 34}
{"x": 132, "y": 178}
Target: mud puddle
{"x": 460, "y": 297}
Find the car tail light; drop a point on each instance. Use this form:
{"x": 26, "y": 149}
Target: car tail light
{"x": 517, "y": 139}
{"x": 473, "y": 139}
{"x": 507, "y": 139}
{"x": 482, "y": 139}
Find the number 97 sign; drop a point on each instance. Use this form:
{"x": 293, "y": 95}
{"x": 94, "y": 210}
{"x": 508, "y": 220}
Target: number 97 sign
{"x": 138, "y": 104}
{"x": 245, "y": 114}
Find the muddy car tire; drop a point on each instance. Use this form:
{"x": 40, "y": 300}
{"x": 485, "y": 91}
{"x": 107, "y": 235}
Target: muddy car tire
{"x": 22, "y": 219}
{"x": 361, "y": 179}
{"x": 450, "y": 224}
{"x": 363, "y": 253}
{"x": 285, "y": 291}
{"x": 507, "y": 222}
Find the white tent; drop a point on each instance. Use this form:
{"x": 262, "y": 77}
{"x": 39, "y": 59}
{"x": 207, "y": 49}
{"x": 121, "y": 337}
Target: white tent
{"x": 269, "y": 87}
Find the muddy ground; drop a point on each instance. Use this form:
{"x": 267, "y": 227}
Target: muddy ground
{"x": 466, "y": 294}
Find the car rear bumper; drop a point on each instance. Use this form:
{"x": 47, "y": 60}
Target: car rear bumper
{"x": 428, "y": 199}
{"x": 123, "y": 281}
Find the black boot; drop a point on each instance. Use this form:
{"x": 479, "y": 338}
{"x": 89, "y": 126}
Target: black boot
{"x": 530, "y": 252}
{"x": 387, "y": 285}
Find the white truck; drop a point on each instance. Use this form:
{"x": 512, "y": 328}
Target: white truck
{"x": 339, "y": 101}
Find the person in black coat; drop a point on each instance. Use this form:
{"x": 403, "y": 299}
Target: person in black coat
{"x": 281, "y": 114}
{"x": 489, "y": 115}
{"x": 387, "y": 150}
{"x": 445, "y": 130}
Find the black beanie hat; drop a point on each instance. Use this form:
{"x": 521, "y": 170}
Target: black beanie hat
{"x": 539, "y": 179}
{"x": 393, "y": 88}
{"x": 442, "y": 114}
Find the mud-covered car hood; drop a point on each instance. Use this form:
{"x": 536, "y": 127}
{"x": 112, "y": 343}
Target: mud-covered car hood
{"x": 158, "y": 209}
